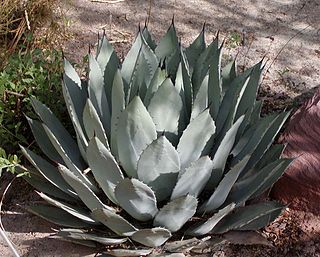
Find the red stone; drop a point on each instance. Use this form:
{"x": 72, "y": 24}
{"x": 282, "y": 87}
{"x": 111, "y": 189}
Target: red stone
{"x": 300, "y": 185}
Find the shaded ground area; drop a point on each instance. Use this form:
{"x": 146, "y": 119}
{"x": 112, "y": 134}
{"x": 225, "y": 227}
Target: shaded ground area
{"x": 288, "y": 30}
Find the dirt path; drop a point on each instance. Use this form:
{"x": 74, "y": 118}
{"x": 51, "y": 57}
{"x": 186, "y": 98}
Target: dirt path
{"x": 253, "y": 29}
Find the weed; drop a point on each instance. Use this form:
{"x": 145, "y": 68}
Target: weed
{"x": 28, "y": 73}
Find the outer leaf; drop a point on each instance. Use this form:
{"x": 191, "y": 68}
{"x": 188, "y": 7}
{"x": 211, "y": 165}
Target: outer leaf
{"x": 65, "y": 153}
{"x": 261, "y": 180}
{"x": 153, "y": 237}
{"x": 57, "y": 216}
{"x": 73, "y": 210}
{"x": 221, "y": 155}
{"x": 267, "y": 139}
{"x": 61, "y": 134}
{"x": 176, "y": 213}
{"x": 104, "y": 167}
{"x": 114, "y": 222}
{"x": 48, "y": 171}
{"x": 75, "y": 95}
{"x": 194, "y": 178}
{"x": 137, "y": 199}
{"x": 194, "y": 138}
{"x": 250, "y": 93}
{"x": 158, "y": 167}
{"x": 244, "y": 217}
{"x": 97, "y": 93}
{"x": 118, "y": 105}
{"x": 221, "y": 192}
{"x": 136, "y": 131}
{"x": 93, "y": 125}
{"x": 228, "y": 74}
{"x": 148, "y": 38}
{"x": 84, "y": 192}
{"x": 165, "y": 108}
{"x": 43, "y": 141}
{"x": 205, "y": 227}
{"x": 82, "y": 235}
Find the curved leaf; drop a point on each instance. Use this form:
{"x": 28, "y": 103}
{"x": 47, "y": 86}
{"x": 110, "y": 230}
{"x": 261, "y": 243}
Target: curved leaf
{"x": 75, "y": 211}
{"x": 114, "y": 222}
{"x": 48, "y": 171}
{"x": 244, "y": 218}
{"x": 43, "y": 141}
{"x": 136, "y": 131}
{"x": 194, "y": 138}
{"x": 176, "y": 213}
{"x": 57, "y": 216}
{"x": 205, "y": 227}
{"x": 104, "y": 167}
{"x": 93, "y": 125}
{"x": 79, "y": 234}
{"x": 136, "y": 198}
{"x": 97, "y": 93}
{"x": 221, "y": 192}
{"x": 194, "y": 178}
{"x": 87, "y": 196}
{"x": 158, "y": 167}
{"x": 201, "y": 100}
{"x": 65, "y": 154}
{"x": 60, "y": 133}
{"x": 153, "y": 237}
{"x": 222, "y": 153}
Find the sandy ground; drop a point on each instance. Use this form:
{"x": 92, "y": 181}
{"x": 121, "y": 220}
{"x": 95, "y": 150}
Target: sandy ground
{"x": 287, "y": 29}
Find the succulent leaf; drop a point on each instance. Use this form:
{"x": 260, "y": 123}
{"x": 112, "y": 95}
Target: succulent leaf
{"x": 194, "y": 139}
{"x": 153, "y": 237}
{"x": 136, "y": 131}
{"x": 176, "y": 213}
{"x": 158, "y": 167}
{"x": 250, "y": 217}
{"x": 104, "y": 167}
{"x": 193, "y": 179}
{"x": 57, "y": 216}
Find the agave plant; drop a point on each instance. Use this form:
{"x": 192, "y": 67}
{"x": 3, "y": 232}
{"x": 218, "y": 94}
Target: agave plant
{"x": 168, "y": 144}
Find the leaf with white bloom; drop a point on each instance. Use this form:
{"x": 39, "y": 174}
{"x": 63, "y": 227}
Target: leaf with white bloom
{"x": 194, "y": 138}
{"x": 194, "y": 178}
{"x": 221, "y": 192}
{"x": 136, "y": 131}
{"x": 104, "y": 167}
{"x": 114, "y": 221}
{"x": 176, "y": 213}
{"x": 93, "y": 125}
{"x": 136, "y": 198}
{"x": 84, "y": 192}
{"x": 206, "y": 226}
{"x": 158, "y": 167}
{"x": 153, "y": 237}
{"x": 165, "y": 108}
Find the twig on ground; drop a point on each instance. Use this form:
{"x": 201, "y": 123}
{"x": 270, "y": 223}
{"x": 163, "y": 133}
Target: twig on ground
{"x": 280, "y": 51}
{"x": 107, "y": 1}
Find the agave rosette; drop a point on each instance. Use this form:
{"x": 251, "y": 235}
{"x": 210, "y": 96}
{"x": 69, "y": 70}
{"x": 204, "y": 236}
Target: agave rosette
{"x": 164, "y": 137}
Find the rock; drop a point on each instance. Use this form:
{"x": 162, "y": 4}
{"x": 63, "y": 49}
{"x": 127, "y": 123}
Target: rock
{"x": 300, "y": 185}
